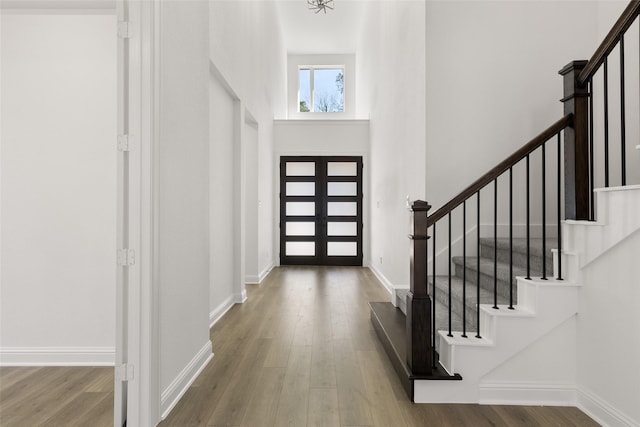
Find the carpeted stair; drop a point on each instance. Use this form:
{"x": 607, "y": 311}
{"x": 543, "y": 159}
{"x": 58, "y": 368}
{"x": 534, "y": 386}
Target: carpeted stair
{"x": 487, "y": 266}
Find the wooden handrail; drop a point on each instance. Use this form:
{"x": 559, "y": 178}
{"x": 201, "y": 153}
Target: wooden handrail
{"x": 498, "y": 170}
{"x": 610, "y": 41}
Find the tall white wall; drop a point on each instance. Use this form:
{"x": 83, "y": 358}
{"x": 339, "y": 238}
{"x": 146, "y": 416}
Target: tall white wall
{"x": 492, "y": 81}
{"x": 390, "y": 65}
{"x": 252, "y": 204}
{"x": 608, "y": 314}
{"x": 182, "y": 186}
{"x": 247, "y": 51}
{"x": 607, "y": 13}
{"x": 221, "y": 207}
{"x": 58, "y": 101}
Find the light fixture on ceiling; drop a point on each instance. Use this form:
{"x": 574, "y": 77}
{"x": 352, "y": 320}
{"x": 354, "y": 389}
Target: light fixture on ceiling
{"x": 320, "y": 5}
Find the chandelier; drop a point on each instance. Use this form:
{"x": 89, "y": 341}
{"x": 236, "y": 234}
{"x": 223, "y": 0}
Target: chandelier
{"x": 320, "y": 5}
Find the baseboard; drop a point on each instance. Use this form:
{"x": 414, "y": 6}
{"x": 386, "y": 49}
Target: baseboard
{"x": 241, "y": 297}
{"x": 252, "y": 279}
{"x": 217, "y": 313}
{"x": 382, "y": 279}
{"x": 178, "y": 387}
{"x": 386, "y": 283}
{"x": 602, "y": 412}
{"x": 516, "y": 393}
{"x": 263, "y": 275}
{"x": 57, "y": 356}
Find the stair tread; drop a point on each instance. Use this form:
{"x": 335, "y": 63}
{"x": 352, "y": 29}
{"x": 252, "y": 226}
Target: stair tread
{"x": 520, "y": 244}
{"x": 486, "y": 296}
{"x": 487, "y": 267}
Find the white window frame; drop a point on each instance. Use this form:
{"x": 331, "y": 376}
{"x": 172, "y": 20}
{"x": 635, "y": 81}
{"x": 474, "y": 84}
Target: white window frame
{"x": 312, "y": 69}
{"x": 295, "y": 62}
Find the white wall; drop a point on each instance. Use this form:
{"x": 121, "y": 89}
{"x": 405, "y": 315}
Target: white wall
{"x": 246, "y": 47}
{"x": 608, "y": 314}
{"x": 390, "y": 64}
{"x": 492, "y": 81}
{"x": 58, "y": 189}
{"x": 182, "y": 185}
{"x": 324, "y": 138}
{"x": 221, "y": 207}
{"x": 252, "y": 204}
{"x": 608, "y": 13}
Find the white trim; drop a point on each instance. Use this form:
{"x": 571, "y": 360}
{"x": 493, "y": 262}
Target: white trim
{"x": 217, "y": 313}
{"x": 59, "y": 7}
{"x": 241, "y": 297}
{"x": 325, "y": 121}
{"x": 251, "y": 279}
{"x": 602, "y": 412}
{"x": 265, "y": 272}
{"x": 179, "y": 386}
{"x": 613, "y": 189}
{"x": 523, "y": 393}
{"x": 386, "y": 283}
{"x": 57, "y": 356}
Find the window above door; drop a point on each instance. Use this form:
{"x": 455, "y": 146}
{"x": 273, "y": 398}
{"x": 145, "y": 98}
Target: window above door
{"x": 321, "y": 87}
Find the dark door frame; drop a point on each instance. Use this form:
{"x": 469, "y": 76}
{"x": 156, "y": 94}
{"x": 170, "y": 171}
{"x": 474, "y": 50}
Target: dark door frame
{"x": 321, "y": 199}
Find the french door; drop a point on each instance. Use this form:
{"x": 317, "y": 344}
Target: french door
{"x": 320, "y": 210}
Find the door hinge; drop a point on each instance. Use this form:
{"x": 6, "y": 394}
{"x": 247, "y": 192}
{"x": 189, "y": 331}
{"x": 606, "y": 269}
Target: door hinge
{"x": 124, "y": 372}
{"x": 124, "y": 143}
{"x": 124, "y": 29}
{"x": 126, "y": 257}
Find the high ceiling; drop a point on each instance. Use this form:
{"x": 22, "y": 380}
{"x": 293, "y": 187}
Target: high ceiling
{"x": 306, "y": 32}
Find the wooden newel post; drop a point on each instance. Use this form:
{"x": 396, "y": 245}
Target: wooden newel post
{"x": 419, "y": 351}
{"x": 576, "y": 143}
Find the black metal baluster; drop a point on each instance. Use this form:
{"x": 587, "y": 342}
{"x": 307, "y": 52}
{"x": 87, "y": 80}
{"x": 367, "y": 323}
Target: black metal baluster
{"x": 606, "y": 122}
{"x": 433, "y": 303}
{"x": 495, "y": 243}
{"x": 464, "y": 269}
{"x": 592, "y": 203}
{"x": 528, "y": 225}
{"x": 544, "y": 212}
{"x": 623, "y": 161}
{"x": 559, "y": 209}
{"x": 511, "y": 238}
{"x": 478, "y": 269}
{"x": 449, "y": 334}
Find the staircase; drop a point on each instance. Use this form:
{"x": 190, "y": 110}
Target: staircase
{"x": 487, "y": 265}
{"x": 499, "y": 323}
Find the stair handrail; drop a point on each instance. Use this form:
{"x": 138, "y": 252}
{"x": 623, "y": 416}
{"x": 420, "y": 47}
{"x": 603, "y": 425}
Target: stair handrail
{"x": 501, "y": 168}
{"x": 610, "y": 42}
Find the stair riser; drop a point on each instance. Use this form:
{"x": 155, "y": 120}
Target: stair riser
{"x": 487, "y": 282}
{"x": 519, "y": 259}
{"x": 457, "y": 307}
{"x": 456, "y": 310}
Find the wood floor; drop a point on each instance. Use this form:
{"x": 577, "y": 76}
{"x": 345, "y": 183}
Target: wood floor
{"x": 300, "y": 352}
{"x": 56, "y": 396}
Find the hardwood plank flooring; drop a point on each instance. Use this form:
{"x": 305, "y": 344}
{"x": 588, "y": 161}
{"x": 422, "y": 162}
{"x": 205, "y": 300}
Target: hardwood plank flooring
{"x": 300, "y": 352}
{"x": 56, "y": 396}
{"x": 322, "y": 364}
